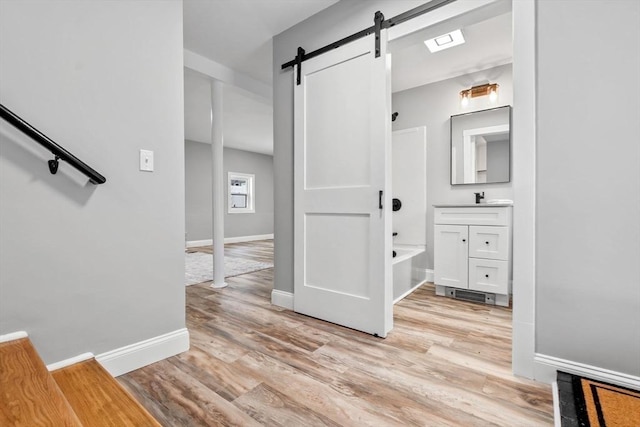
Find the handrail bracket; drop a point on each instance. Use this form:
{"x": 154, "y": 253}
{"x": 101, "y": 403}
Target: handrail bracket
{"x": 53, "y": 165}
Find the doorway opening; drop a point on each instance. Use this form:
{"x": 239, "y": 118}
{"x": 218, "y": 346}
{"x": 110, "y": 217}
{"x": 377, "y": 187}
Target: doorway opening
{"x": 522, "y": 161}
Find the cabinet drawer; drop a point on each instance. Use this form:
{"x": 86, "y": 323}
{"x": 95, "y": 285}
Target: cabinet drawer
{"x": 485, "y": 215}
{"x": 489, "y": 242}
{"x": 486, "y": 275}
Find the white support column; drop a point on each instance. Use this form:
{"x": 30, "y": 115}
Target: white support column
{"x": 218, "y": 184}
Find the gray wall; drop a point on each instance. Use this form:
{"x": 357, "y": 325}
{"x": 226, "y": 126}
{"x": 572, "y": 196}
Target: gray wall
{"x": 198, "y": 192}
{"x": 431, "y": 106}
{"x": 340, "y": 20}
{"x": 83, "y": 267}
{"x": 588, "y": 186}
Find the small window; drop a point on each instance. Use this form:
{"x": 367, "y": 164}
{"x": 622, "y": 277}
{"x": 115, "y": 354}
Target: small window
{"x": 241, "y": 198}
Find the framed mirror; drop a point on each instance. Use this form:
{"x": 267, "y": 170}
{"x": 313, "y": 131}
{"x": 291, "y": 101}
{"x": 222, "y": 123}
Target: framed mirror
{"x": 481, "y": 147}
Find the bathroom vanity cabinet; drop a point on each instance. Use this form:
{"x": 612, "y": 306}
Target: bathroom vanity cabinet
{"x": 472, "y": 252}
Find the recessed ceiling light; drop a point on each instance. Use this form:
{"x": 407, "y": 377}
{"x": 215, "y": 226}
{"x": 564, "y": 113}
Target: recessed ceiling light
{"x": 445, "y": 41}
{"x": 442, "y": 40}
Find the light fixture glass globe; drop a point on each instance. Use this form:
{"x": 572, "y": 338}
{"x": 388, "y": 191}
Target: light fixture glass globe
{"x": 464, "y": 101}
{"x": 493, "y": 96}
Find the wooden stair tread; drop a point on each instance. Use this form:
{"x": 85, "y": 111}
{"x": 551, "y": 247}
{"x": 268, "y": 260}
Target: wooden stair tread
{"x": 98, "y": 399}
{"x": 29, "y": 396}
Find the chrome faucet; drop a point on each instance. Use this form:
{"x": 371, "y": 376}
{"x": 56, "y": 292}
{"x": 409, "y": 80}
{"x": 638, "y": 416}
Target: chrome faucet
{"x": 479, "y": 196}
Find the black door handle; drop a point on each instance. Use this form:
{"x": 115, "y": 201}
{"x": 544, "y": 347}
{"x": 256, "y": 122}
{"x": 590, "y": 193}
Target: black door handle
{"x": 380, "y": 199}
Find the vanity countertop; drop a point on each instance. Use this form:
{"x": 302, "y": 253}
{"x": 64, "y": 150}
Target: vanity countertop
{"x": 474, "y": 205}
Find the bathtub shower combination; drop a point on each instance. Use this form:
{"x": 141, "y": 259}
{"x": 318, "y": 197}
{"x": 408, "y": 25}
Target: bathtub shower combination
{"x": 405, "y": 280}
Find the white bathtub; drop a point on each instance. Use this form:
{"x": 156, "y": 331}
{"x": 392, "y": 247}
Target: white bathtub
{"x": 403, "y": 280}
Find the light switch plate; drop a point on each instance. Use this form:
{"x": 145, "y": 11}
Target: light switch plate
{"x": 146, "y": 160}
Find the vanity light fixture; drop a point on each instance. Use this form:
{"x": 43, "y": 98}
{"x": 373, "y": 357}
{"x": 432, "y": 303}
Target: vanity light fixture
{"x": 464, "y": 100}
{"x": 493, "y": 94}
{"x": 490, "y": 89}
{"x": 445, "y": 41}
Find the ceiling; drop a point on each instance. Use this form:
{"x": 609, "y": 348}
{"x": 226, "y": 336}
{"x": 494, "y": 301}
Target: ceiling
{"x": 238, "y": 34}
{"x": 488, "y": 43}
{"x": 248, "y": 120}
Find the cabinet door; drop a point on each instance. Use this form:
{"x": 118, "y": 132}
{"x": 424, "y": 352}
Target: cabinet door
{"x": 450, "y": 255}
{"x": 489, "y": 242}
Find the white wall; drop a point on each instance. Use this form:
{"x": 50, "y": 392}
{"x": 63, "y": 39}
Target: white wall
{"x": 588, "y": 185}
{"x": 409, "y": 185}
{"x": 83, "y": 267}
{"x": 431, "y": 106}
{"x": 199, "y": 192}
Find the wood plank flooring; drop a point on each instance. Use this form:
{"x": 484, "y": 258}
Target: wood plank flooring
{"x": 446, "y": 363}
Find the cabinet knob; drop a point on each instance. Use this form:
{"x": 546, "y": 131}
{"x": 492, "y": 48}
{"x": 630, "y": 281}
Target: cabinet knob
{"x": 487, "y": 243}
{"x": 464, "y": 240}
{"x": 486, "y": 275}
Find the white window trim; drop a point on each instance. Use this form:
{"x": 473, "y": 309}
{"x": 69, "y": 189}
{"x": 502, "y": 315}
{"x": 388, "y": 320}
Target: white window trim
{"x": 250, "y": 192}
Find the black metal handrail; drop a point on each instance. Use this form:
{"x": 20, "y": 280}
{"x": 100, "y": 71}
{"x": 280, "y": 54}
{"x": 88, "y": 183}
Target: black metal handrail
{"x": 59, "y": 152}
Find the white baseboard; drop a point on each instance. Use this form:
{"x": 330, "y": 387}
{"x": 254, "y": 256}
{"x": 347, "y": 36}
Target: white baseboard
{"x": 198, "y": 243}
{"x": 240, "y": 239}
{"x": 546, "y": 367}
{"x": 68, "y": 362}
{"x": 422, "y": 274}
{"x": 143, "y": 353}
{"x": 282, "y": 299}
{"x": 248, "y": 238}
{"x": 13, "y": 336}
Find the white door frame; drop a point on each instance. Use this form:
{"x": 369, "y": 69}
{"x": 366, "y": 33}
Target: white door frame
{"x": 524, "y": 165}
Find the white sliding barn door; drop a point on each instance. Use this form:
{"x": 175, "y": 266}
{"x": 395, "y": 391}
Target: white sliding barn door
{"x": 342, "y": 265}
